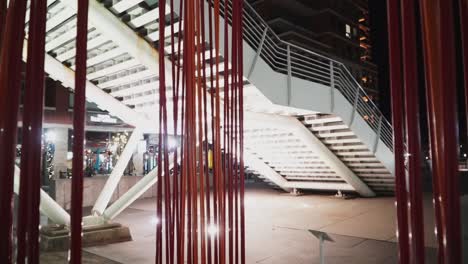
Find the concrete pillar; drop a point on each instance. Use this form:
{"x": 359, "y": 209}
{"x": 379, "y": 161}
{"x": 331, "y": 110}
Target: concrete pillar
{"x": 59, "y": 136}
{"x": 138, "y": 158}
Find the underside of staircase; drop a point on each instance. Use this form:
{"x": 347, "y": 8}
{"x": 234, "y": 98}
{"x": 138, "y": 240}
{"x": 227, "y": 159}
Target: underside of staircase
{"x": 309, "y": 125}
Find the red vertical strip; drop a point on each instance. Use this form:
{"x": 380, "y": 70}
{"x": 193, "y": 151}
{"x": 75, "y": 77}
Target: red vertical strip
{"x": 411, "y": 98}
{"x": 79, "y": 111}
{"x": 194, "y": 200}
{"x": 24, "y": 207}
{"x": 241, "y": 133}
{"x": 237, "y": 86}
{"x": 201, "y": 114}
{"x": 435, "y": 185}
{"x": 398, "y": 130}
{"x": 162, "y": 148}
{"x": 217, "y": 143}
{"x": 226, "y": 145}
{"x": 463, "y": 7}
{"x": 10, "y": 87}
{"x": 438, "y": 35}
{"x": 205, "y": 144}
{"x": 30, "y": 184}
{"x": 3, "y": 15}
{"x": 177, "y": 172}
{"x": 39, "y": 83}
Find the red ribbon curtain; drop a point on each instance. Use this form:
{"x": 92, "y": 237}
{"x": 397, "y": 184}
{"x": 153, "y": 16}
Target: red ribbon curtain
{"x": 437, "y": 28}
{"x": 30, "y": 183}
{"x": 12, "y": 38}
{"x": 10, "y": 87}
{"x": 201, "y": 218}
{"x": 396, "y": 82}
{"x": 79, "y": 113}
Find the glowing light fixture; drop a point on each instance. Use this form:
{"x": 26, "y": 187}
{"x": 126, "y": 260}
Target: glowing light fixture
{"x": 154, "y": 220}
{"x": 50, "y": 136}
{"x": 172, "y": 143}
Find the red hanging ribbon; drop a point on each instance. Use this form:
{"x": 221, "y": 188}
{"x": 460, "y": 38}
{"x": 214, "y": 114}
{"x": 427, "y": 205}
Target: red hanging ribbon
{"x": 79, "y": 111}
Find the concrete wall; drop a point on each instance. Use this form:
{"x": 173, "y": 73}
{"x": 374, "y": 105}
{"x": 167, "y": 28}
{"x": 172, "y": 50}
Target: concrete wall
{"x": 61, "y": 150}
{"x": 92, "y": 188}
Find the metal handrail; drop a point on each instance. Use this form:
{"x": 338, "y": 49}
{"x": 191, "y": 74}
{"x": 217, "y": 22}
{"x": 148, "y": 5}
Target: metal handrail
{"x": 309, "y": 65}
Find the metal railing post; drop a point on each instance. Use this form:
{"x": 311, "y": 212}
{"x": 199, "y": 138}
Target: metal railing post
{"x": 377, "y": 135}
{"x": 347, "y": 79}
{"x": 259, "y": 51}
{"x": 289, "y": 73}
{"x": 353, "y": 113}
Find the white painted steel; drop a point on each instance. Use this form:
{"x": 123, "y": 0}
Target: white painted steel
{"x": 48, "y": 206}
{"x": 326, "y": 155}
{"x": 117, "y": 172}
{"x": 124, "y": 5}
{"x": 133, "y": 193}
{"x": 266, "y": 171}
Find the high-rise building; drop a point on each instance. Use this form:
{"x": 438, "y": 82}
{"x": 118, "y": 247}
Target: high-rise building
{"x": 336, "y": 28}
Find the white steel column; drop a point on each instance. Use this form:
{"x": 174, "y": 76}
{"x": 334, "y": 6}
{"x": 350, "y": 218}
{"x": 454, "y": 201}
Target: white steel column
{"x": 117, "y": 172}
{"x": 138, "y": 157}
{"x": 133, "y": 193}
{"x": 48, "y": 206}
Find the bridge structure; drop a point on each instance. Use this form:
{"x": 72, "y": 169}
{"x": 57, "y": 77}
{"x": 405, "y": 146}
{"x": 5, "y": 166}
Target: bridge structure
{"x": 308, "y": 122}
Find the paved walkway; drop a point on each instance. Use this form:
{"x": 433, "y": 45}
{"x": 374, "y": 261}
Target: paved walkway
{"x": 61, "y": 258}
{"x": 276, "y": 229}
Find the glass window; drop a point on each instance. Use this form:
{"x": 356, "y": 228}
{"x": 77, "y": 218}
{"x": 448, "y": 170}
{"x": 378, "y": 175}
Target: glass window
{"x": 348, "y": 31}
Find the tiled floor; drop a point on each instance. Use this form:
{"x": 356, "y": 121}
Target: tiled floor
{"x": 61, "y": 257}
{"x": 276, "y": 230}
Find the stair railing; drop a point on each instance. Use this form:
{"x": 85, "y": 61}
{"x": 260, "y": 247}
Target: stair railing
{"x": 293, "y": 60}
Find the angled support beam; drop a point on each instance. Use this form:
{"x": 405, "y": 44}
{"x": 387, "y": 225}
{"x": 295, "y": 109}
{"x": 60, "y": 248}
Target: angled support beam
{"x": 330, "y": 159}
{"x": 314, "y": 144}
{"x": 353, "y": 113}
{"x": 266, "y": 171}
{"x": 259, "y": 51}
{"x": 377, "y": 135}
{"x": 48, "y": 206}
{"x": 133, "y": 193}
{"x": 117, "y": 172}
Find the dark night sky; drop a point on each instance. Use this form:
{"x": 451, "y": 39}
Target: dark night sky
{"x": 378, "y": 17}
{"x": 378, "y": 22}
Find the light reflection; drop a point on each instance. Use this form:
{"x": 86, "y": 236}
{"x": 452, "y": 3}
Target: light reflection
{"x": 212, "y": 230}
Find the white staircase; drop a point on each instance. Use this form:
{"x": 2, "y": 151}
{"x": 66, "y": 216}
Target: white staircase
{"x": 348, "y": 146}
{"x": 359, "y": 157}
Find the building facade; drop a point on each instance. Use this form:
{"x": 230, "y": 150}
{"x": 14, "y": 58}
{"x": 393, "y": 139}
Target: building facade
{"x": 338, "y": 29}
